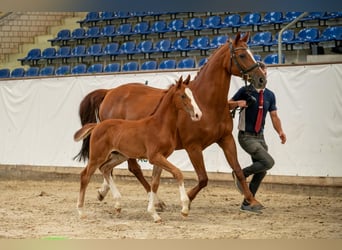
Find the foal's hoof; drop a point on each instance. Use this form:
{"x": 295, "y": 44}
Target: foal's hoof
{"x": 100, "y": 197}
{"x": 160, "y": 206}
{"x": 185, "y": 215}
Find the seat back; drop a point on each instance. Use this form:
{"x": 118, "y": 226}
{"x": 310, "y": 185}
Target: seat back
{"x": 47, "y": 71}
{"x": 233, "y": 20}
{"x": 63, "y": 70}
{"x": 186, "y": 63}
{"x": 63, "y": 51}
{"x": 112, "y": 67}
{"x": 176, "y": 25}
{"x": 219, "y": 40}
{"x": 202, "y": 61}
{"x": 130, "y": 66}
{"x": 149, "y": 65}
{"x": 273, "y": 59}
{"x": 195, "y": 23}
{"x": 142, "y": 28}
{"x": 49, "y": 52}
{"x": 251, "y": 19}
{"x": 159, "y": 26}
{"x": 124, "y": 29}
{"x": 32, "y": 71}
{"x": 164, "y": 45}
{"x": 181, "y": 44}
{"x": 5, "y": 73}
{"x": 128, "y": 47}
{"x": 308, "y": 35}
{"x": 167, "y": 64}
{"x": 79, "y": 69}
{"x": 95, "y": 49}
{"x": 18, "y": 72}
{"x": 145, "y": 46}
{"x": 95, "y": 68}
{"x": 202, "y": 42}
{"x": 111, "y": 48}
{"x": 213, "y": 22}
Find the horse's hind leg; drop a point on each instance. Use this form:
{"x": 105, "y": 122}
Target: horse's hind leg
{"x": 84, "y": 181}
{"x": 156, "y": 173}
{"x": 135, "y": 168}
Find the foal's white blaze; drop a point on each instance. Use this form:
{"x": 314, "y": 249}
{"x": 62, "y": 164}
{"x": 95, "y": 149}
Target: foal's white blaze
{"x": 198, "y": 112}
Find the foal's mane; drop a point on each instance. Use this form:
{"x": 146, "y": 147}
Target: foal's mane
{"x": 161, "y": 99}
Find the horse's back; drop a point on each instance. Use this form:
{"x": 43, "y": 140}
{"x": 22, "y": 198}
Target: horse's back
{"x": 130, "y": 101}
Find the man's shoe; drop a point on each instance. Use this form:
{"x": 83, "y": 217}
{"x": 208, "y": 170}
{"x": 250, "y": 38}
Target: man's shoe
{"x": 250, "y": 209}
{"x": 237, "y": 183}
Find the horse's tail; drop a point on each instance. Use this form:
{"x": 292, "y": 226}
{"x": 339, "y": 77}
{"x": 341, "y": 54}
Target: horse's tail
{"x": 88, "y": 112}
{"x": 84, "y": 132}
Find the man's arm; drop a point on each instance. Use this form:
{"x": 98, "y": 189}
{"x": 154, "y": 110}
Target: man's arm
{"x": 277, "y": 125}
{"x": 234, "y": 104}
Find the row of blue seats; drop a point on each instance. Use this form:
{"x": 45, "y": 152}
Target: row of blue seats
{"x": 178, "y": 26}
{"x": 128, "y": 48}
{"x": 272, "y": 17}
{"x": 116, "y": 67}
{"x": 99, "y": 67}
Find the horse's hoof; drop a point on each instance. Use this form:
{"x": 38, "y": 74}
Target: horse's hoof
{"x": 100, "y": 197}
{"x": 118, "y": 210}
{"x": 158, "y": 221}
{"x": 160, "y": 207}
{"x": 184, "y": 214}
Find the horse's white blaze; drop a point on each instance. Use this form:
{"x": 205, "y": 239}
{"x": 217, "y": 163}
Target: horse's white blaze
{"x": 197, "y": 110}
{"x": 184, "y": 199}
{"x": 251, "y": 54}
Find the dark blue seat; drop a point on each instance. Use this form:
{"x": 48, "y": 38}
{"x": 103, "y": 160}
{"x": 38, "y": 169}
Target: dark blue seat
{"x": 160, "y": 27}
{"x": 130, "y": 66}
{"x": 129, "y": 48}
{"x": 95, "y": 68}
{"x": 125, "y": 30}
{"x": 18, "y": 72}
{"x": 202, "y": 61}
{"x": 78, "y": 35}
{"x": 49, "y": 54}
{"x": 217, "y": 41}
{"x": 62, "y": 38}
{"x": 167, "y": 64}
{"x": 164, "y": 46}
{"x": 149, "y": 65}
{"x": 195, "y": 24}
{"x": 308, "y": 35}
{"x": 187, "y": 63}
{"x": 333, "y": 33}
{"x": 257, "y": 57}
{"x": 32, "y": 72}
{"x": 91, "y": 19}
{"x": 146, "y": 47}
{"x": 273, "y": 59}
{"x": 213, "y": 23}
{"x": 251, "y": 19}
{"x": 123, "y": 16}
{"x": 288, "y": 38}
{"x": 78, "y": 52}
{"x": 182, "y": 45}
{"x": 274, "y": 17}
{"x": 107, "y": 16}
{"x": 63, "y": 53}
{"x": 262, "y": 39}
{"x": 142, "y": 29}
{"x": 112, "y": 67}
{"x": 62, "y": 70}
{"x": 79, "y": 69}
{"x": 32, "y": 57}
{"x": 95, "y": 51}
{"x": 93, "y": 34}
{"x": 201, "y": 43}
{"x": 177, "y": 26}
{"x": 112, "y": 50}
{"x": 108, "y": 32}
{"x": 5, "y": 73}
{"x": 232, "y": 21}
{"x": 47, "y": 71}
{"x": 291, "y": 15}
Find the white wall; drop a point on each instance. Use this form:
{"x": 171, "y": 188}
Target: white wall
{"x": 40, "y": 116}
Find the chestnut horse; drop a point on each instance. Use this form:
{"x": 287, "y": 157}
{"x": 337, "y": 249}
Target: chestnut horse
{"x": 210, "y": 86}
{"x": 113, "y": 141}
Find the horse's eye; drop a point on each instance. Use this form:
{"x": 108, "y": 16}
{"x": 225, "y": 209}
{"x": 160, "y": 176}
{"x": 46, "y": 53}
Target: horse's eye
{"x": 242, "y": 56}
{"x": 183, "y": 96}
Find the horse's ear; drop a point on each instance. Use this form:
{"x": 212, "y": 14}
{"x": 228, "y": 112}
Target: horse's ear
{"x": 179, "y": 82}
{"x": 237, "y": 37}
{"x": 187, "y": 80}
{"x": 246, "y": 37}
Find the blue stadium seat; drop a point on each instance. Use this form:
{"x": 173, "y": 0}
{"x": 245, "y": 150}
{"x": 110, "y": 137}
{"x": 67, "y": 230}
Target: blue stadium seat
{"x": 213, "y": 23}
{"x": 149, "y": 65}
{"x": 125, "y": 30}
{"x": 164, "y": 46}
{"x": 195, "y": 24}
{"x": 112, "y": 67}
{"x": 291, "y": 15}
{"x": 91, "y": 19}
{"x": 160, "y": 27}
{"x": 257, "y": 57}
{"x": 49, "y": 54}
{"x": 47, "y": 71}
{"x": 123, "y": 16}
{"x": 32, "y": 57}
{"x": 219, "y": 40}
{"x": 202, "y": 61}
{"x": 273, "y": 59}
{"x": 62, "y": 38}
{"x": 79, "y": 69}
{"x": 146, "y": 47}
{"x": 18, "y": 72}
{"x": 201, "y": 43}
{"x": 186, "y": 63}
{"x": 130, "y": 66}
{"x": 32, "y": 72}
{"x": 333, "y": 33}
{"x": 63, "y": 53}
{"x": 112, "y": 50}
{"x": 167, "y": 64}
{"x": 263, "y": 39}
{"x": 308, "y": 35}
{"x": 95, "y": 68}
{"x": 232, "y": 21}
{"x": 5, "y": 73}
{"x": 128, "y": 48}
{"x": 288, "y": 39}
{"x": 107, "y": 16}
{"x": 62, "y": 70}
{"x": 109, "y": 32}
{"x": 78, "y": 35}
{"x": 142, "y": 29}
{"x": 182, "y": 45}
{"x": 78, "y": 52}
{"x": 177, "y": 26}
{"x": 274, "y": 17}
{"x": 251, "y": 19}
{"x": 95, "y": 51}
{"x": 93, "y": 34}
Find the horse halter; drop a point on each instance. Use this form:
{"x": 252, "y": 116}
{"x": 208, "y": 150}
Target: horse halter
{"x": 244, "y": 72}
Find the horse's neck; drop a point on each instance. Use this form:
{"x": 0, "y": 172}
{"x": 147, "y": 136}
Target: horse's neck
{"x": 211, "y": 86}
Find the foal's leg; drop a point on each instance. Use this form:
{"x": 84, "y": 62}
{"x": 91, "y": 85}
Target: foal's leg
{"x": 229, "y": 148}
{"x": 156, "y": 173}
{"x": 84, "y": 181}
{"x": 160, "y": 161}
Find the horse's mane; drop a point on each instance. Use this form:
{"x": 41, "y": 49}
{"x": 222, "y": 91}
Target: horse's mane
{"x": 161, "y": 99}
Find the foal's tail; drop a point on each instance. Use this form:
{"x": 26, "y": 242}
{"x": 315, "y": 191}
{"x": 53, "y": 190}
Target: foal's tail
{"x": 88, "y": 112}
{"x": 84, "y": 132}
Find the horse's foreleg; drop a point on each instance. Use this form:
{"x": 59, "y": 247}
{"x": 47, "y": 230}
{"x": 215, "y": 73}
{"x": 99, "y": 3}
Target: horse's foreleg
{"x": 229, "y": 148}
{"x": 102, "y": 192}
{"x": 160, "y": 161}
{"x": 196, "y": 158}
{"x": 135, "y": 168}
{"x": 84, "y": 181}
{"x": 156, "y": 173}
{"x": 151, "y": 209}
